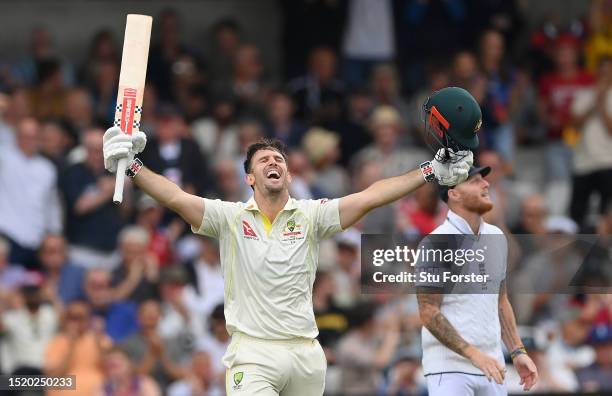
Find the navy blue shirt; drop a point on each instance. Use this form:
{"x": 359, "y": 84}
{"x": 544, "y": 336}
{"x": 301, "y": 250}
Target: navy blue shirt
{"x": 97, "y": 229}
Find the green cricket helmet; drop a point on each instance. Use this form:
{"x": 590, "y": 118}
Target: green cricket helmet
{"x": 452, "y": 120}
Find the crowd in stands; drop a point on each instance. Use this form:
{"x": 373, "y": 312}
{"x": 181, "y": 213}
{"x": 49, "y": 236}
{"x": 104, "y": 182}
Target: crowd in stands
{"x": 129, "y": 301}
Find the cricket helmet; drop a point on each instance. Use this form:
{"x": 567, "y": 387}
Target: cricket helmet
{"x": 452, "y": 120}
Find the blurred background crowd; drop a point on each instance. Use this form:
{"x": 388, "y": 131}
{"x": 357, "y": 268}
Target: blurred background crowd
{"x": 129, "y": 301}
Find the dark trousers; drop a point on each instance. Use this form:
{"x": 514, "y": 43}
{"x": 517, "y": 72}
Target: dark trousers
{"x": 584, "y": 186}
{"x": 21, "y": 255}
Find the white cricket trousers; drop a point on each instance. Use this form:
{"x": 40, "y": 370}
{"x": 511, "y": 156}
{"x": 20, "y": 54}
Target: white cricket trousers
{"x": 459, "y": 384}
{"x": 274, "y": 368}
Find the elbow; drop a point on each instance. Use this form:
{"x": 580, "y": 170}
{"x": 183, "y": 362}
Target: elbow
{"x": 427, "y": 315}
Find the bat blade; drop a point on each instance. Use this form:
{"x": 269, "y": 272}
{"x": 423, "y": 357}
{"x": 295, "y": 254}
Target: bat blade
{"x": 131, "y": 84}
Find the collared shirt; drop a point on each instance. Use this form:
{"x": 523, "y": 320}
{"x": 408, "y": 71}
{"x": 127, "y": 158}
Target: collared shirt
{"x": 29, "y": 204}
{"x": 269, "y": 267}
{"x": 474, "y": 316}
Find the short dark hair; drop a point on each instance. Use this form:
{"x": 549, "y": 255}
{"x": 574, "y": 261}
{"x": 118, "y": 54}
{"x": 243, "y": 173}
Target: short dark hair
{"x": 263, "y": 144}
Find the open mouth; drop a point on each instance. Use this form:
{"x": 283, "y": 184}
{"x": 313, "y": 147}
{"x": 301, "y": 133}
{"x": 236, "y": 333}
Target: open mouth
{"x": 273, "y": 174}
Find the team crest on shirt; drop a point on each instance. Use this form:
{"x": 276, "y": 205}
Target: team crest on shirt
{"x": 238, "y": 379}
{"x": 292, "y": 231}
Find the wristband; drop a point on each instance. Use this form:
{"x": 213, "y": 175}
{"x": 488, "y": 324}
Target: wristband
{"x": 133, "y": 168}
{"x": 428, "y": 171}
{"x": 518, "y": 351}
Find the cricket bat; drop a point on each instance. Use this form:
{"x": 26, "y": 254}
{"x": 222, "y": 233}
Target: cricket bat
{"x": 131, "y": 85}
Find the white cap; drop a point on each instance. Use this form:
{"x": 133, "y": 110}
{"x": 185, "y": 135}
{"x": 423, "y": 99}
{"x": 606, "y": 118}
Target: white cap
{"x": 561, "y": 224}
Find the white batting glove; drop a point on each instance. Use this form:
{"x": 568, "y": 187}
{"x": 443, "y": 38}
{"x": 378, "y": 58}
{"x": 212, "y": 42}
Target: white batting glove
{"x": 452, "y": 173}
{"x": 118, "y": 145}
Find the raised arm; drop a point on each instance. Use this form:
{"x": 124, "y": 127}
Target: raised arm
{"x": 118, "y": 145}
{"x": 353, "y": 207}
{"x": 189, "y": 207}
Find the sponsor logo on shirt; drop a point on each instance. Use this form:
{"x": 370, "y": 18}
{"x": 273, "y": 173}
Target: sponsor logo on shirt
{"x": 247, "y": 231}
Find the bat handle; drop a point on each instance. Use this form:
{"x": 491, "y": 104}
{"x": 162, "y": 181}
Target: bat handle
{"x": 121, "y": 167}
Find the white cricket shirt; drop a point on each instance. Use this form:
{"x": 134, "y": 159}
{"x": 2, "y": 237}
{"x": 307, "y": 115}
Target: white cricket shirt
{"x": 474, "y": 316}
{"x": 269, "y": 268}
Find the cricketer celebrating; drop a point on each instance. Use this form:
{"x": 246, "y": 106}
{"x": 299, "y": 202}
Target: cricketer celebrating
{"x": 269, "y": 250}
{"x": 462, "y": 333}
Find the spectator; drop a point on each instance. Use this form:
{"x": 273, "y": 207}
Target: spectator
{"x": 165, "y": 53}
{"x": 567, "y": 353}
{"x": 319, "y": 87}
{"x": 598, "y": 376}
{"x": 119, "y": 317}
{"x": 532, "y": 216}
{"x": 369, "y": 38}
{"x": 421, "y": 213}
{"x": 405, "y": 377}
{"x": 332, "y": 320}
{"x": 61, "y": 278}
{"x": 77, "y": 350}
{"x": 599, "y": 43}
{"x": 386, "y": 126}
{"x": 104, "y": 91}
{"x": 229, "y": 185}
{"x": 92, "y": 221}
{"x": 321, "y": 147}
{"x": 247, "y": 83}
{"x": 227, "y": 37}
{"x": 281, "y": 124}
{"x": 465, "y": 69}
{"x": 103, "y": 48}
{"x": 365, "y": 350}
{"x": 27, "y": 329}
{"x": 175, "y": 156}
{"x": 354, "y": 134}
{"x": 180, "y": 305}
{"x": 10, "y": 275}
{"x": 79, "y": 110}
{"x": 217, "y": 135}
{"x": 26, "y": 217}
{"x": 136, "y": 277}
{"x": 347, "y": 271}
{"x": 48, "y": 96}
{"x": 497, "y": 130}
{"x": 27, "y": 73}
{"x": 386, "y": 89}
{"x": 303, "y": 176}
{"x": 557, "y": 91}
{"x": 199, "y": 381}
{"x": 591, "y": 112}
{"x": 55, "y": 142}
{"x": 152, "y": 355}
{"x": 149, "y": 216}
{"x": 215, "y": 343}
{"x": 206, "y": 276}
{"x": 120, "y": 377}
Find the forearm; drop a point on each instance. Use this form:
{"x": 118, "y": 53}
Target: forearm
{"x": 507, "y": 322}
{"x": 446, "y": 333}
{"x": 89, "y": 202}
{"x": 158, "y": 187}
{"x": 387, "y": 349}
{"x": 434, "y": 320}
{"x": 389, "y": 190}
{"x": 353, "y": 207}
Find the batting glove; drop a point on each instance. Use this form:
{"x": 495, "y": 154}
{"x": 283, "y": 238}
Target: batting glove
{"x": 118, "y": 145}
{"x": 453, "y": 172}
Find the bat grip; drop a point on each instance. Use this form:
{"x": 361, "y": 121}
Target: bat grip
{"x": 120, "y": 177}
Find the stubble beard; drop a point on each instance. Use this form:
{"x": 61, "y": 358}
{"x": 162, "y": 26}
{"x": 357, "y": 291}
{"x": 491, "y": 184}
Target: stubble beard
{"x": 478, "y": 205}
